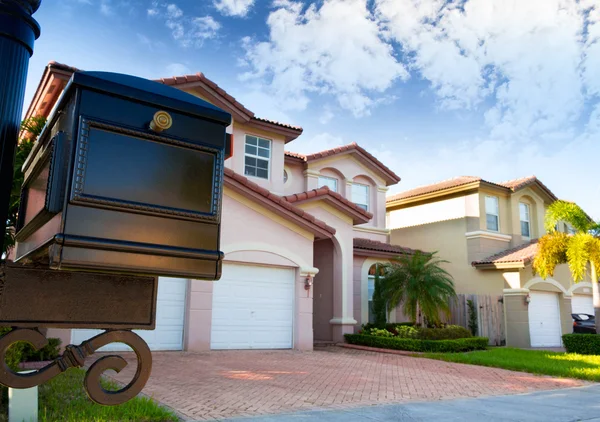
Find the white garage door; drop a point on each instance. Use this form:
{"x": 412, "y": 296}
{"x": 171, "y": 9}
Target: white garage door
{"x": 582, "y": 304}
{"x": 544, "y": 320}
{"x": 253, "y": 308}
{"x": 170, "y": 314}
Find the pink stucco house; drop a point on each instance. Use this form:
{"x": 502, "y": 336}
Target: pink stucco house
{"x": 300, "y": 235}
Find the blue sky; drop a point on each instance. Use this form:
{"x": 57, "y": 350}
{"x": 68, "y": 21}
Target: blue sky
{"x": 434, "y": 88}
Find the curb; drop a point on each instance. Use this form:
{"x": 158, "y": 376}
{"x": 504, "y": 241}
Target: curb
{"x": 378, "y": 350}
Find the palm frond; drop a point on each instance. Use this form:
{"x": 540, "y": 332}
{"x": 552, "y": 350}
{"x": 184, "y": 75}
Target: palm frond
{"x": 569, "y": 212}
{"x": 552, "y": 251}
{"x": 418, "y": 282}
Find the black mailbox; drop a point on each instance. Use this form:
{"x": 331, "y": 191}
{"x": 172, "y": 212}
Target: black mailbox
{"x": 126, "y": 178}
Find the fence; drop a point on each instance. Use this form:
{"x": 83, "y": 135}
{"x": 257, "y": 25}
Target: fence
{"x": 490, "y": 316}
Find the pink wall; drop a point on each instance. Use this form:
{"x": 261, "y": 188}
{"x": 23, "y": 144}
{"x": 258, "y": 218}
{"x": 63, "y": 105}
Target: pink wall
{"x": 357, "y": 289}
{"x": 343, "y": 316}
{"x": 296, "y": 182}
{"x": 249, "y": 236}
{"x": 236, "y": 162}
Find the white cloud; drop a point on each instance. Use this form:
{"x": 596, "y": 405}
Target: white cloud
{"x": 326, "y": 116}
{"x": 234, "y": 7}
{"x": 335, "y": 49}
{"x": 316, "y": 143}
{"x": 187, "y": 30}
{"x": 106, "y": 8}
{"x": 524, "y": 56}
{"x": 178, "y": 69}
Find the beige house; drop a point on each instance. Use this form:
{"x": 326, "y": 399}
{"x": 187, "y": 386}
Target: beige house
{"x": 488, "y": 231}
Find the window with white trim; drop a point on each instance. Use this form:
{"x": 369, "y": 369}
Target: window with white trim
{"x": 360, "y": 195}
{"x": 492, "y": 216}
{"x": 257, "y": 157}
{"x": 330, "y": 182}
{"x": 524, "y": 218}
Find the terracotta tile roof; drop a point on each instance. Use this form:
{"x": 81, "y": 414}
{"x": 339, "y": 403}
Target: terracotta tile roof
{"x": 345, "y": 148}
{"x": 523, "y": 182}
{"x": 521, "y": 254}
{"x": 322, "y": 191}
{"x": 277, "y": 199}
{"x": 62, "y": 66}
{"x": 178, "y": 80}
{"x": 513, "y": 185}
{"x": 434, "y": 187}
{"x": 374, "y": 245}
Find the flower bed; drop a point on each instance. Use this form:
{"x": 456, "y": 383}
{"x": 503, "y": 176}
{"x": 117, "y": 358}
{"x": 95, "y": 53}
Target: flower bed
{"x": 417, "y": 345}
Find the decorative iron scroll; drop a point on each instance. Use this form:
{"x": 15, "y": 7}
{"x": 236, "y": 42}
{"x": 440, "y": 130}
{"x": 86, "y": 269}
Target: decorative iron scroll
{"x": 74, "y": 357}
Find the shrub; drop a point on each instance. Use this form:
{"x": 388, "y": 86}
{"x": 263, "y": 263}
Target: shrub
{"x": 451, "y": 332}
{"x": 583, "y": 344}
{"x": 14, "y": 355}
{"x": 473, "y": 323}
{"x": 48, "y": 352}
{"x": 407, "y": 331}
{"x": 379, "y": 333}
{"x": 416, "y": 345}
{"x": 391, "y": 327}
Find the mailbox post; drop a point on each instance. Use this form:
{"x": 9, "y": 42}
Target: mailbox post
{"x": 123, "y": 185}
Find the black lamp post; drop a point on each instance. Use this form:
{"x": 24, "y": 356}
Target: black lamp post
{"x": 18, "y": 31}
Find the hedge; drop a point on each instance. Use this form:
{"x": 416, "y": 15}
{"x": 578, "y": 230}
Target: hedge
{"x": 583, "y": 344}
{"x": 415, "y": 345}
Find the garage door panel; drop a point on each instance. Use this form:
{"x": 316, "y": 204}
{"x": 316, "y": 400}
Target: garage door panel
{"x": 544, "y": 320}
{"x": 253, "y": 308}
{"x": 170, "y": 316}
{"x": 582, "y": 304}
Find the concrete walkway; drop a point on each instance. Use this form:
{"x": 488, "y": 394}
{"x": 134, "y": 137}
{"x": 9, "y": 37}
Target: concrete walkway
{"x": 566, "y": 405}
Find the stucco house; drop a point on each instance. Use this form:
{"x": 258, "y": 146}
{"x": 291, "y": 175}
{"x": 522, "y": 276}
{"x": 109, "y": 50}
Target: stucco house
{"x": 299, "y": 233}
{"x": 488, "y": 232}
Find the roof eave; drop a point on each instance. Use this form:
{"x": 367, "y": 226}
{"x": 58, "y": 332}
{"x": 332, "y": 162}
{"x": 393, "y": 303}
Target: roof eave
{"x": 319, "y": 232}
{"x": 383, "y": 254}
{"x": 500, "y": 265}
{"x": 432, "y": 195}
{"x": 357, "y": 218}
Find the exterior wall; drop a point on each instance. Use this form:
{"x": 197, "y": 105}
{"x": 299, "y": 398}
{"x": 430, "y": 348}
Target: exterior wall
{"x": 349, "y": 170}
{"x": 373, "y": 233}
{"x": 448, "y": 239}
{"x": 252, "y": 234}
{"x": 433, "y": 212}
{"x": 343, "y": 320}
{"x": 64, "y": 334}
{"x": 359, "y": 291}
{"x": 236, "y": 162}
{"x": 482, "y": 246}
{"x": 295, "y": 182}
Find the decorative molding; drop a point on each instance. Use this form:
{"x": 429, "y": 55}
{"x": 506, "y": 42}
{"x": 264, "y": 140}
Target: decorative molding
{"x": 538, "y": 280}
{"x": 311, "y": 173}
{"x": 343, "y": 321}
{"x": 268, "y": 248}
{"x": 515, "y": 292}
{"x": 584, "y": 284}
{"x": 79, "y": 196}
{"x": 383, "y": 189}
{"x": 374, "y": 230}
{"x": 488, "y": 235}
{"x": 308, "y": 271}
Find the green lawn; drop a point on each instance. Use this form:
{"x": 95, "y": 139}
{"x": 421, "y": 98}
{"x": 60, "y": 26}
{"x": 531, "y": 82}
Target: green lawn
{"x": 64, "y": 399}
{"x": 569, "y": 365}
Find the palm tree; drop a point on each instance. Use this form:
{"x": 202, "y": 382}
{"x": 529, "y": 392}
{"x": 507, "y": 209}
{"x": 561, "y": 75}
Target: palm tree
{"x": 420, "y": 284}
{"x": 580, "y": 250}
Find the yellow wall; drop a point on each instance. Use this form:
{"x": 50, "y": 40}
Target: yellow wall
{"x": 448, "y": 239}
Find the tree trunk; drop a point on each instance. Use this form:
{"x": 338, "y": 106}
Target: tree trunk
{"x": 596, "y": 294}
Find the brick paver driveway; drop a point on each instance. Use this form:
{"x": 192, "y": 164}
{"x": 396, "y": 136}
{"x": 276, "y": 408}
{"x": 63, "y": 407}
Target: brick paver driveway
{"x": 215, "y": 385}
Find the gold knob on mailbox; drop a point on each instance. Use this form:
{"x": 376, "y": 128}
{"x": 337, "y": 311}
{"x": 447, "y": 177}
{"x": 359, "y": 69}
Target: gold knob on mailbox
{"x": 161, "y": 121}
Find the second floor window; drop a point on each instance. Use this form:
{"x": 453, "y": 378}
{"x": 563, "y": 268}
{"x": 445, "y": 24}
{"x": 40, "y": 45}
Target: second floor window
{"x": 360, "y": 195}
{"x": 330, "y": 182}
{"x": 257, "y": 157}
{"x": 492, "y": 220}
{"x": 524, "y": 217}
